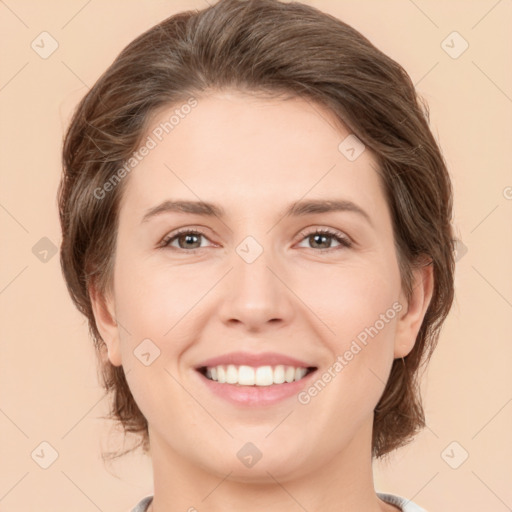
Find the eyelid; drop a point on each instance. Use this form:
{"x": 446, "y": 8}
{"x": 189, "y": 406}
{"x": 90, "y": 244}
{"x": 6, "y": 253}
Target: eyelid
{"x": 316, "y": 229}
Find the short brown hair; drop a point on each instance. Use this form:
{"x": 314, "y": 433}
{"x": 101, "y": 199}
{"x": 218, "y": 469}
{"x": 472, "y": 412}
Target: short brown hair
{"x": 269, "y": 47}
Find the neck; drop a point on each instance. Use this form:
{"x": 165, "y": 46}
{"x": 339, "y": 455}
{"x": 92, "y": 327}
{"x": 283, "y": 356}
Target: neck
{"x": 342, "y": 481}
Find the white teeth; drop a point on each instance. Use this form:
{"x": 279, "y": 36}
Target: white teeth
{"x": 246, "y": 375}
{"x": 231, "y": 375}
{"x": 221, "y": 373}
{"x": 279, "y": 374}
{"x": 264, "y": 376}
{"x": 250, "y": 376}
{"x": 300, "y": 372}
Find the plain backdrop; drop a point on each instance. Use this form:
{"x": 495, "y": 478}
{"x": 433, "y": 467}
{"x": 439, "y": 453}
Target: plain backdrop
{"x": 49, "y": 391}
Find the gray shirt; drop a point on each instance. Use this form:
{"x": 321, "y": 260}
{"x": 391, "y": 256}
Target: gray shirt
{"x": 404, "y": 504}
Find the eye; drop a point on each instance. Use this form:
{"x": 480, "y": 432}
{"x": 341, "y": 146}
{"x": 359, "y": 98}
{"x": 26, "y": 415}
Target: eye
{"x": 187, "y": 239}
{"x": 322, "y": 238}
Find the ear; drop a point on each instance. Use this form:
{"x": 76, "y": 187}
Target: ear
{"x": 409, "y": 323}
{"x": 104, "y": 314}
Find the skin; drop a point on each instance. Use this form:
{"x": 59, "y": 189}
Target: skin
{"x": 255, "y": 156}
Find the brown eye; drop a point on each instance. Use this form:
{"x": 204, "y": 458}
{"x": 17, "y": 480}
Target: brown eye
{"x": 322, "y": 239}
{"x": 188, "y": 240}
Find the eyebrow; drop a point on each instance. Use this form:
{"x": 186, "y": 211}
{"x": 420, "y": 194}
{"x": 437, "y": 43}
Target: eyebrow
{"x": 295, "y": 209}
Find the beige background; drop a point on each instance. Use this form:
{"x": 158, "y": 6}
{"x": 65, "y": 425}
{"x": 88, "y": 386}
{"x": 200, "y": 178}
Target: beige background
{"x": 48, "y": 385}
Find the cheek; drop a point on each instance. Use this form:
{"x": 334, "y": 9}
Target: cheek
{"x": 152, "y": 298}
{"x": 351, "y": 297}
{"x": 360, "y": 307}
{"x": 150, "y": 304}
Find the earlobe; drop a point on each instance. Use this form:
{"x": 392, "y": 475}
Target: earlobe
{"x": 104, "y": 315}
{"x": 408, "y": 325}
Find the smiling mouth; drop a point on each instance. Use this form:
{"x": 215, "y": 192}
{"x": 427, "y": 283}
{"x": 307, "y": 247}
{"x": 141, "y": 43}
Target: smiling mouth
{"x": 242, "y": 375}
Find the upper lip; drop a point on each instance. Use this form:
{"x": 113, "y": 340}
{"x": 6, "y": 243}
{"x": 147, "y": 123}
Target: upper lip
{"x": 254, "y": 359}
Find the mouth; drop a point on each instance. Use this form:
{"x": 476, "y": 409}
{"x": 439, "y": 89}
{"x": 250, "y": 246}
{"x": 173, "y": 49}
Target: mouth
{"x": 255, "y": 376}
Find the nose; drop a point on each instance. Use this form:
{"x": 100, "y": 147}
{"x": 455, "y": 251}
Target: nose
{"x": 256, "y": 295}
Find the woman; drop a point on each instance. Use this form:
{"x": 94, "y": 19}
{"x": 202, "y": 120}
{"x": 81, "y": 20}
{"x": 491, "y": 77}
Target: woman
{"x": 256, "y": 223}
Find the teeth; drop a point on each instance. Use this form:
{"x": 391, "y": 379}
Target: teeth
{"x": 246, "y": 376}
{"x": 221, "y": 373}
{"x": 231, "y": 375}
{"x": 250, "y": 376}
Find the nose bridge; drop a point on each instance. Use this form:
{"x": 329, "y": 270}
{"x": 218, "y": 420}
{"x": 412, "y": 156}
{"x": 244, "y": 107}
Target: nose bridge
{"x": 252, "y": 274}
{"x": 255, "y": 294}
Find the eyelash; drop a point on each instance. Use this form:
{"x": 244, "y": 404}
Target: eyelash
{"x": 345, "y": 243}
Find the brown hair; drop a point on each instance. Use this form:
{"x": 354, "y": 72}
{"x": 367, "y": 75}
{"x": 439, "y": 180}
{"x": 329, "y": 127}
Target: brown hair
{"x": 269, "y": 47}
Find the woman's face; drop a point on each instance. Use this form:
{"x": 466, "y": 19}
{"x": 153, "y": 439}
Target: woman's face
{"x": 256, "y": 288}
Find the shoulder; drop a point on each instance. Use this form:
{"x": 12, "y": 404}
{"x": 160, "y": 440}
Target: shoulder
{"x": 143, "y": 504}
{"x": 404, "y": 504}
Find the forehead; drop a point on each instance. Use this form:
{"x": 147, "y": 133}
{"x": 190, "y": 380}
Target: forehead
{"x": 246, "y": 151}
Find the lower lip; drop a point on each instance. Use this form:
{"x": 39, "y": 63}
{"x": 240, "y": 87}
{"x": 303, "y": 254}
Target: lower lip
{"x": 256, "y": 395}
